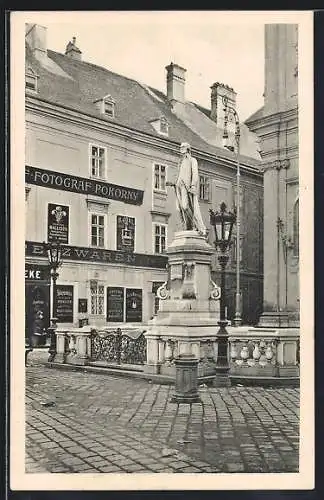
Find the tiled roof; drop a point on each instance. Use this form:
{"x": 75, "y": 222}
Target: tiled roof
{"x": 255, "y": 116}
{"x": 78, "y": 84}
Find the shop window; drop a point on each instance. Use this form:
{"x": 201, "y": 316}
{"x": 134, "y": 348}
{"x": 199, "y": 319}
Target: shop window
{"x": 97, "y": 230}
{"x": 159, "y": 177}
{"x": 97, "y": 161}
{"x": 296, "y": 229}
{"x": 97, "y": 298}
{"x": 160, "y": 238}
{"x": 204, "y": 188}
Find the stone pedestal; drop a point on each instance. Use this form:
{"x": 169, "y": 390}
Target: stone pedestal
{"x": 186, "y": 384}
{"x": 187, "y": 320}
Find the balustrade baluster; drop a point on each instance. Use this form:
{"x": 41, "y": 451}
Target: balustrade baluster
{"x": 244, "y": 353}
{"x": 234, "y": 351}
{"x": 256, "y": 354}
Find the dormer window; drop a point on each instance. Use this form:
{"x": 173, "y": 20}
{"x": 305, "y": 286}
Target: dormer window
{"x": 31, "y": 80}
{"x": 164, "y": 126}
{"x": 109, "y": 106}
{"x": 161, "y": 125}
{"x": 106, "y": 106}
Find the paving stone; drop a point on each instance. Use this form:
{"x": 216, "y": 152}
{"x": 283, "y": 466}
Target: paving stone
{"x": 111, "y": 421}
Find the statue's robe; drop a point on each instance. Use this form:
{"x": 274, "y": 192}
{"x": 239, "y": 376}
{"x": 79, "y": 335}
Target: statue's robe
{"x": 187, "y": 189}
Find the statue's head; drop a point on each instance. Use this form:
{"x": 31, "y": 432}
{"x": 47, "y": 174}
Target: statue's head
{"x": 185, "y": 148}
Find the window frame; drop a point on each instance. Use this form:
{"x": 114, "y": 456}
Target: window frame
{"x": 90, "y": 155}
{"x": 99, "y": 284}
{"x": 159, "y": 189}
{"x": 164, "y": 122}
{"x": 203, "y": 185}
{"x": 98, "y": 214}
{"x": 108, "y": 100}
{"x": 154, "y": 225}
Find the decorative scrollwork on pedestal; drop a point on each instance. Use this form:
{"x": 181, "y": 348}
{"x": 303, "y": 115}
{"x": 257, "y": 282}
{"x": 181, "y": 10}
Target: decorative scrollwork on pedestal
{"x": 215, "y": 293}
{"x": 162, "y": 292}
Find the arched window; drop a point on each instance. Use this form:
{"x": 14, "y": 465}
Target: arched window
{"x": 296, "y": 229}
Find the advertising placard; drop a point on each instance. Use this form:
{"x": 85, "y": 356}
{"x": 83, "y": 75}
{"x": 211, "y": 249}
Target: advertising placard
{"x": 64, "y": 303}
{"x": 58, "y": 223}
{"x": 134, "y": 305}
{"x": 115, "y": 304}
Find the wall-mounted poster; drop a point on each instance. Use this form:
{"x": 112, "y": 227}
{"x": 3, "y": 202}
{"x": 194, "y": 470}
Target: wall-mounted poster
{"x": 64, "y": 303}
{"x": 134, "y": 305}
{"x": 58, "y": 223}
{"x": 83, "y": 305}
{"x": 115, "y": 304}
{"x": 125, "y": 233}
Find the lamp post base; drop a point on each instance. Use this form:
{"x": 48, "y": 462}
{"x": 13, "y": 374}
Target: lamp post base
{"x": 222, "y": 380}
{"x": 237, "y": 321}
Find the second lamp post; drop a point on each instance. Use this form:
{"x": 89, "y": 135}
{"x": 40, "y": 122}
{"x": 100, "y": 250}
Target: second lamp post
{"x": 53, "y": 250}
{"x": 230, "y": 111}
{"x": 222, "y": 222}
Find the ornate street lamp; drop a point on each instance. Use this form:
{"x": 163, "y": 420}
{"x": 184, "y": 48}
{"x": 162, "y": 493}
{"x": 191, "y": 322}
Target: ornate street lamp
{"x": 229, "y": 111}
{"x": 53, "y": 250}
{"x": 222, "y": 222}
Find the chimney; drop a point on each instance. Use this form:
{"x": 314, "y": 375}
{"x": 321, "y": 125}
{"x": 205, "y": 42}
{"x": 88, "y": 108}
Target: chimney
{"x": 72, "y": 50}
{"x": 218, "y": 91}
{"x": 176, "y": 82}
{"x": 36, "y": 38}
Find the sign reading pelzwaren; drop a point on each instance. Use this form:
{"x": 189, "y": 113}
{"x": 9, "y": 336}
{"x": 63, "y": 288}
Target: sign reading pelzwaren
{"x": 58, "y": 223}
{"x": 68, "y": 252}
{"x": 82, "y": 185}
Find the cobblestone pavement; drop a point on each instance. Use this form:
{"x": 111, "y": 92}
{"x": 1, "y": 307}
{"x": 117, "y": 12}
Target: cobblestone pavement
{"x": 87, "y": 422}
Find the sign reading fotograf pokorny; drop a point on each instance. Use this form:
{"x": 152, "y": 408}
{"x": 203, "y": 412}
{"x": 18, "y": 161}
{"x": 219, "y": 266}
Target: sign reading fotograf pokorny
{"x": 58, "y": 223}
{"x": 82, "y": 185}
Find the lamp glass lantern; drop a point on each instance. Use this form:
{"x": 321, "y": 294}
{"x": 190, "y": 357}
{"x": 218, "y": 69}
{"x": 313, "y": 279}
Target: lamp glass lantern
{"x": 222, "y": 222}
{"x": 54, "y": 253}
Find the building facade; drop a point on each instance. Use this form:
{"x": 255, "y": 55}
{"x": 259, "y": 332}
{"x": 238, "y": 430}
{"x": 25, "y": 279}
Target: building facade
{"x": 100, "y": 150}
{"x": 276, "y": 124}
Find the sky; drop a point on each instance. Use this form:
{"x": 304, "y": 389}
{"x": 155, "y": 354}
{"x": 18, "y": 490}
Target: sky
{"x": 139, "y": 45}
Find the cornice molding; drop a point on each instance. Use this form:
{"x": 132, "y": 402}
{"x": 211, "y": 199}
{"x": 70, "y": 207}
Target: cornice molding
{"x": 160, "y": 213}
{"x": 283, "y": 164}
{"x": 64, "y": 113}
{"x": 280, "y": 116}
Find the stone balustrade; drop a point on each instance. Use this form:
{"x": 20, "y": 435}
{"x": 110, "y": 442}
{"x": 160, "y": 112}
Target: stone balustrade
{"x": 255, "y": 355}
{"x": 264, "y": 353}
{"x": 163, "y": 351}
{"x": 73, "y": 345}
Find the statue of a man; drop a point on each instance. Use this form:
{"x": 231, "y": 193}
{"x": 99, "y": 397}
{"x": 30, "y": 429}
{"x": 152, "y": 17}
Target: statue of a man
{"x": 187, "y": 189}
